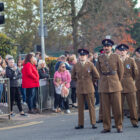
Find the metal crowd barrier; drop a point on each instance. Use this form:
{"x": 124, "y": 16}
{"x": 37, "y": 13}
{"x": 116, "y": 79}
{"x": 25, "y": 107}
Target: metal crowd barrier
{"x": 5, "y": 97}
{"x": 46, "y": 94}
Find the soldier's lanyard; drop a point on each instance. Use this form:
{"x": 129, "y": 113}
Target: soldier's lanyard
{"x": 107, "y": 64}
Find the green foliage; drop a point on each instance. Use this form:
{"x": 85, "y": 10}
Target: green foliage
{"x": 22, "y": 21}
{"x": 7, "y": 46}
{"x": 135, "y": 33}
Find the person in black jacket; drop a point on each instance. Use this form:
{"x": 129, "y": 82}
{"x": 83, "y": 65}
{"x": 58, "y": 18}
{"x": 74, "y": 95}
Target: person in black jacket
{"x": 43, "y": 70}
{"x": 13, "y": 73}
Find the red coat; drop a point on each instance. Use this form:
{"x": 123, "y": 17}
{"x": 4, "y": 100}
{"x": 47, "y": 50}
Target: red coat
{"x": 30, "y": 76}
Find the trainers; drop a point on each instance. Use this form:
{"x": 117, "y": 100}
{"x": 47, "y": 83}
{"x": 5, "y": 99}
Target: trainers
{"x": 1, "y": 112}
{"x": 24, "y": 115}
{"x": 5, "y": 104}
{"x": 31, "y": 112}
{"x": 12, "y": 114}
{"x": 24, "y": 103}
{"x": 68, "y": 111}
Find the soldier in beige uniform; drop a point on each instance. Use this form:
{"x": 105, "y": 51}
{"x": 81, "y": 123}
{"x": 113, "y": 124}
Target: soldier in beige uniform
{"x": 111, "y": 72}
{"x": 128, "y": 83}
{"x": 85, "y": 75}
{"x": 137, "y": 52}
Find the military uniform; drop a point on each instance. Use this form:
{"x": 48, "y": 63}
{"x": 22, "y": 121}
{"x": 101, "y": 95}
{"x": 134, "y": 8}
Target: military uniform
{"x": 129, "y": 88}
{"x": 138, "y": 83}
{"x": 128, "y": 84}
{"x": 85, "y": 75}
{"x": 111, "y": 72}
{"x": 100, "y": 120}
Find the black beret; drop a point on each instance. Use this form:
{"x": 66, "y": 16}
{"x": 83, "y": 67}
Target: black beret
{"x": 107, "y": 42}
{"x": 83, "y": 51}
{"x": 122, "y": 47}
{"x": 138, "y": 50}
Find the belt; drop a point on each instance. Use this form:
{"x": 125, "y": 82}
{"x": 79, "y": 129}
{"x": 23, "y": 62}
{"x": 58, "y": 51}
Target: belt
{"x": 109, "y": 73}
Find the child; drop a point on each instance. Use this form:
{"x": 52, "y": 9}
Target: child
{"x": 58, "y": 89}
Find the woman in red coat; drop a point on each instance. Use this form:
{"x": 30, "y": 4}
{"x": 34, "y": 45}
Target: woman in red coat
{"x": 30, "y": 80}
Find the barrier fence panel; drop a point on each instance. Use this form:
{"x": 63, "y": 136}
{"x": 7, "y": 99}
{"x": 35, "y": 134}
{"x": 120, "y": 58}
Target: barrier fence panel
{"x": 46, "y": 94}
{"x": 5, "y": 97}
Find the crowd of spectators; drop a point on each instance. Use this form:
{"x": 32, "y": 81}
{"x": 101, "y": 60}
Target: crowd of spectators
{"x": 24, "y": 81}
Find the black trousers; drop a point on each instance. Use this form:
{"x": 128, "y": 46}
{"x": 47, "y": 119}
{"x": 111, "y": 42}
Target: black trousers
{"x": 58, "y": 101}
{"x": 73, "y": 95}
{"x": 65, "y": 102}
{"x": 15, "y": 96}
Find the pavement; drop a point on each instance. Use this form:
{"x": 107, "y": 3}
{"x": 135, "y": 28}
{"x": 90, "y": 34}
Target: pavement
{"x": 60, "y": 126}
{"x": 19, "y": 120}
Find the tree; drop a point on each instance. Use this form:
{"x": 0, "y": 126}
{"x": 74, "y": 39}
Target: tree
{"x": 135, "y": 30}
{"x": 107, "y": 18}
{"x": 7, "y": 46}
{"x": 22, "y": 20}
{"x": 65, "y": 15}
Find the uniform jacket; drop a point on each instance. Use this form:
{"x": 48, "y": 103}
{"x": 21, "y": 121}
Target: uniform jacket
{"x": 30, "y": 76}
{"x": 130, "y": 73}
{"x": 138, "y": 77}
{"x": 85, "y": 77}
{"x": 110, "y": 83}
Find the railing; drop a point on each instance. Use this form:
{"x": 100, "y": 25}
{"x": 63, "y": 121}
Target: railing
{"x": 46, "y": 94}
{"x": 5, "y": 97}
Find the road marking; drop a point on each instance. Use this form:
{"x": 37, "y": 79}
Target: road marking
{"x": 21, "y": 125}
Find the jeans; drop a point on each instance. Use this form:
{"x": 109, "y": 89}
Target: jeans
{"x": 30, "y": 97}
{"x": 35, "y": 98}
{"x": 23, "y": 92}
{"x": 1, "y": 90}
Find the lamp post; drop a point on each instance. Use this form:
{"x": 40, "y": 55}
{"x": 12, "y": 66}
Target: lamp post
{"x": 42, "y": 30}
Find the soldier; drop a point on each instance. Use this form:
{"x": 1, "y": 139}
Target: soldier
{"x": 137, "y": 52}
{"x": 85, "y": 75}
{"x": 111, "y": 71}
{"x": 128, "y": 83}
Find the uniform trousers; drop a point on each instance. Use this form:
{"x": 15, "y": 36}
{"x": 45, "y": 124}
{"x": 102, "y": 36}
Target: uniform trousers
{"x": 73, "y": 95}
{"x": 81, "y": 102}
{"x": 138, "y": 102}
{"x": 100, "y": 108}
{"x": 112, "y": 100}
{"x": 131, "y": 100}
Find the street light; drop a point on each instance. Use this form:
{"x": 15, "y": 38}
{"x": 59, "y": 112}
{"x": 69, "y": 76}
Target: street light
{"x": 42, "y": 30}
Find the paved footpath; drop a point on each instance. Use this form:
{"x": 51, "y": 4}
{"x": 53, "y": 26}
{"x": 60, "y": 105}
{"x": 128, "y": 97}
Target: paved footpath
{"x": 51, "y": 126}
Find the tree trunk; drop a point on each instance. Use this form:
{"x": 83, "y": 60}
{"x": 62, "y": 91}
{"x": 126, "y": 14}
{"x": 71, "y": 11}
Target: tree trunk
{"x": 74, "y": 27}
